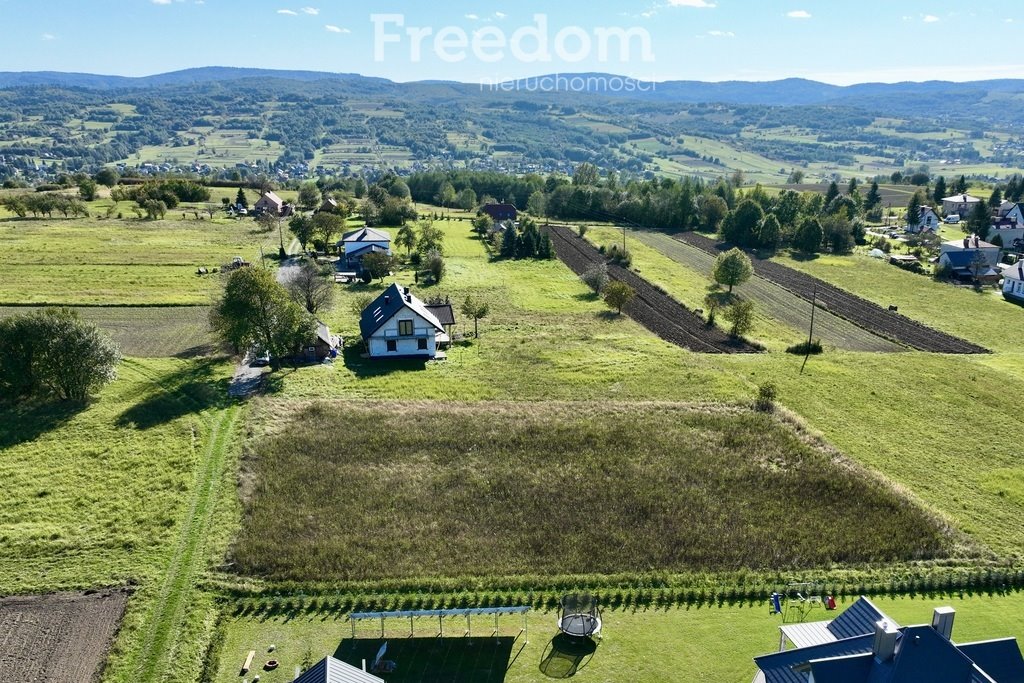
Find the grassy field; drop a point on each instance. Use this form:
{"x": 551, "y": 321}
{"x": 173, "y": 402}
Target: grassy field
{"x": 147, "y": 332}
{"x": 121, "y": 262}
{"x": 708, "y": 644}
{"x": 547, "y": 338}
{"x": 109, "y": 494}
{"x": 411, "y": 490}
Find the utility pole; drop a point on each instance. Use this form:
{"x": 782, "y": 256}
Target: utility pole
{"x": 810, "y": 333}
{"x": 623, "y": 240}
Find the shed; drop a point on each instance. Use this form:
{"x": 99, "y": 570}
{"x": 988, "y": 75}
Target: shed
{"x": 502, "y": 211}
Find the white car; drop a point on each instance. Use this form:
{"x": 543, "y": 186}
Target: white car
{"x": 952, "y": 218}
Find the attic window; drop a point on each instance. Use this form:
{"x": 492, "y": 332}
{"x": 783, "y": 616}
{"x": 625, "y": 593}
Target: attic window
{"x": 405, "y": 328}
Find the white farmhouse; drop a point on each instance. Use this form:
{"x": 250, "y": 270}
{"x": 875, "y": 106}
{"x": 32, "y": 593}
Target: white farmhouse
{"x": 398, "y": 325}
{"x": 1013, "y": 283}
{"x": 927, "y": 221}
{"x": 960, "y": 204}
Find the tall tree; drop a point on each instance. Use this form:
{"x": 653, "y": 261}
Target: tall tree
{"x": 241, "y": 200}
{"x": 302, "y": 228}
{"x": 311, "y": 287}
{"x": 873, "y": 198}
{"x": 980, "y": 221}
{"x": 309, "y": 196}
{"x": 740, "y": 226}
{"x": 995, "y": 199}
{"x": 769, "y": 232}
{"x": 406, "y": 238}
{"x": 586, "y": 174}
{"x": 537, "y": 204}
{"x": 832, "y": 193}
{"x": 808, "y": 236}
{"x": 431, "y": 237}
{"x": 325, "y": 226}
{"x": 54, "y": 352}
{"x": 939, "y": 191}
{"x": 712, "y": 211}
{"x": 732, "y": 268}
{"x": 256, "y": 312}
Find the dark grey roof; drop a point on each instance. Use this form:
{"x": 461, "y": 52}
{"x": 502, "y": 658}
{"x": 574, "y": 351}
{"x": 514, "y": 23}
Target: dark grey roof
{"x": 443, "y": 312}
{"x": 331, "y": 670}
{"x": 778, "y": 666}
{"x": 384, "y": 307}
{"x": 363, "y": 249}
{"x": 1000, "y": 659}
{"x": 858, "y": 619}
{"x": 366, "y": 235}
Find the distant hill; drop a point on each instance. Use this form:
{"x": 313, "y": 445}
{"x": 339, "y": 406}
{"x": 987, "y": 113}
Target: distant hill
{"x": 787, "y": 92}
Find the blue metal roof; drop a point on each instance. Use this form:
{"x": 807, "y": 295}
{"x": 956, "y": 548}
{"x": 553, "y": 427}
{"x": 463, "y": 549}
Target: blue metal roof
{"x": 778, "y": 667}
{"x": 858, "y": 619}
{"x": 1000, "y": 659}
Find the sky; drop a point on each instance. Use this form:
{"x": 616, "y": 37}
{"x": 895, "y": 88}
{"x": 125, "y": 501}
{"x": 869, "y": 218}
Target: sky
{"x": 492, "y": 41}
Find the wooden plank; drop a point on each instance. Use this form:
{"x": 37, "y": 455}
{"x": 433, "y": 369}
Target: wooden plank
{"x": 248, "y": 661}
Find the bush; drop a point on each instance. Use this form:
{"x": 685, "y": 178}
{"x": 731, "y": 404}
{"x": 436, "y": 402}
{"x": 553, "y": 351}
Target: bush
{"x": 596, "y": 277}
{"x": 581, "y": 230}
{"x": 806, "y": 348}
{"x": 741, "y": 315}
{"x": 767, "y": 392}
{"x": 435, "y": 266}
{"x": 619, "y": 256}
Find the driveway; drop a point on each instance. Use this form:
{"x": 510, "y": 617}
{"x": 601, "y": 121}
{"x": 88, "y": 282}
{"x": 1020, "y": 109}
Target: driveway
{"x": 247, "y": 379}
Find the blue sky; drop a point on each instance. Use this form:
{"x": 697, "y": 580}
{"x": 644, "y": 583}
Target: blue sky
{"x": 836, "y": 42}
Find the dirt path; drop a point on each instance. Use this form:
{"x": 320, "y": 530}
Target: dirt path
{"x": 651, "y": 307}
{"x": 165, "y": 623}
{"x": 861, "y": 312}
{"x": 777, "y": 302}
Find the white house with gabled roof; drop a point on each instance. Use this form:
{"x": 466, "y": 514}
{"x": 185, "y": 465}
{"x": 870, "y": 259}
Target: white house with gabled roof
{"x": 398, "y": 325}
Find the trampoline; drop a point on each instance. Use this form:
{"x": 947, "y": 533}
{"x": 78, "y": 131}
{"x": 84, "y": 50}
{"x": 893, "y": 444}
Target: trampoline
{"x": 580, "y": 616}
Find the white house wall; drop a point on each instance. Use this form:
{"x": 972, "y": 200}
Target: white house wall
{"x": 406, "y": 346}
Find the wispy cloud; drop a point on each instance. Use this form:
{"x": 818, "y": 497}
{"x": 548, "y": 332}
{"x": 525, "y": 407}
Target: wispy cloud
{"x": 311, "y": 10}
{"x": 291, "y": 13}
{"x": 701, "y": 4}
{"x": 721, "y": 34}
{"x": 929, "y": 18}
{"x": 799, "y": 14}
{"x": 336, "y": 29}
{"x": 500, "y": 15}
{"x": 49, "y": 36}
{"x": 472, "y": 17}
{"x": 162, "y": 2}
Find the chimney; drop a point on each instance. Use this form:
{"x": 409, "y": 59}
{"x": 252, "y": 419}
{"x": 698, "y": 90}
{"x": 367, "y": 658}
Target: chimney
{"x": 406, "y": 290}
{"x": 967, "y": 242}
{"x": 942, "y": 621}
{"x": 387, "y": 299}
{"x": 884, "y": 646}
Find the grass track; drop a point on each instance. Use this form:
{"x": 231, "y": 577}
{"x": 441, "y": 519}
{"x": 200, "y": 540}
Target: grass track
{"x": 154, "y": 655}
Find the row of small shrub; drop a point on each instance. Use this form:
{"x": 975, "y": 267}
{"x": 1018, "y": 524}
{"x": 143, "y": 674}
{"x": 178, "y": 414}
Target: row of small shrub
{"x": 806, "y": 348}
{"x": 642, "y": 592}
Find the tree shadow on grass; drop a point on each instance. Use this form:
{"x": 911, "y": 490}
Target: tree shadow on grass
{"x": 802, "y": 256}
{"x": 482, "y": 659}
{"x": 352, "y": 357}
{"x": 26, "y": 421}
{"x": 192, "y": 389}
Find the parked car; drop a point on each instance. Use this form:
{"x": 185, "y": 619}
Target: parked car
{"x": 952, "y": 218}
{"x": 260, "y": 360}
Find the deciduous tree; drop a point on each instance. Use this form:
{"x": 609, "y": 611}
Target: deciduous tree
{"x": 476, "y": 309}
{"x": 732, "y": 268}
{"x": 617, "y": 294}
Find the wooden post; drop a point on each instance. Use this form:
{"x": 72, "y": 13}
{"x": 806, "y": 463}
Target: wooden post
{"x": 810, "y": 334}
{"x": 382, "y": 626}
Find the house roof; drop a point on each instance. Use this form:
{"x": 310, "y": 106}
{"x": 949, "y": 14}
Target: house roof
{"x": 331, "y": 670}
{"x": 364, "y": 249}
{"x": 1015, "y": 272}
{"x": 323, "y": 333}
{"x": 366, "y": 235}
{"x": 271, "y": 197}
{"x": 388, "y": 304}
{"x": 1000, "y": 659}
{"x": 778, "y": 667}
{"x": 443, "y": 312}
{"x": 856, "y": 620}
{"x": 959, "y": 244}
{"x": 961, "y": 199}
